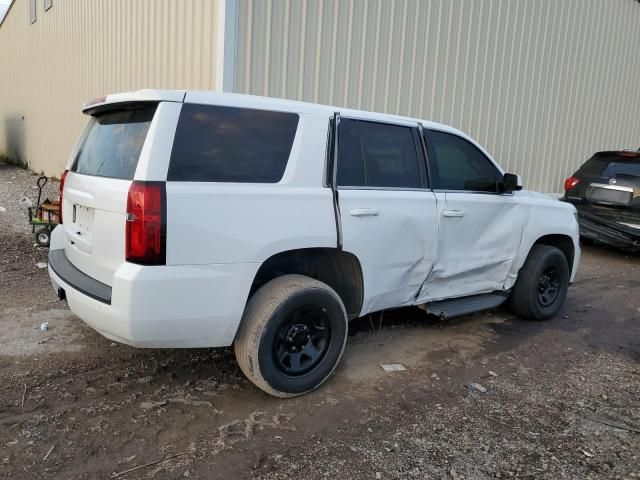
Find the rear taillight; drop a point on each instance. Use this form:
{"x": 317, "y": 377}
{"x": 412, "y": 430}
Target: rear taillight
{"x": 146, "y": 223}
{"x": 570, "y": 183}
{"x": 60, "y": 192}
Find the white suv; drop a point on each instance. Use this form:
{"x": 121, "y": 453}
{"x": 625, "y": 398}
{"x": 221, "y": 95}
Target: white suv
{"x": 202, "y": 219}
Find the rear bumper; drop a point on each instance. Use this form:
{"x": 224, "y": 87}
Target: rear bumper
{"x": 608, "y": 231}
{"x": 161, "y": 306}
{"x": 74, "y": 278}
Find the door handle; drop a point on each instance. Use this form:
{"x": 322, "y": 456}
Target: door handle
{"x": 364, "y": 212}
{"x": 453, "y": 213}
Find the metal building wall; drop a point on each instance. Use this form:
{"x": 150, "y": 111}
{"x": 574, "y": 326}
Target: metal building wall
{"x": 542, "y": 84}
{"x": 78, "y": 50}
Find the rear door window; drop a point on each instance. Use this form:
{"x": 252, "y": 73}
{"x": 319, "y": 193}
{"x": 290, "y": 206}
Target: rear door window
{"x": 226, "y": 144}
{"x": 113, "y": 142}
{"x": 350, "y": 158}
{"x": 379, "y": 155}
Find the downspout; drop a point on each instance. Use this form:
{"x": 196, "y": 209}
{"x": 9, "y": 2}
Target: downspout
{"x": 227, "y": 42}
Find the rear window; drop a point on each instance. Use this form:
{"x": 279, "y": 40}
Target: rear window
{"x": 377, "y": 155}
{"x": 113, "y": 143}
{"x": 611, "y": 166}
{"x": 627, "y": 168}
{"x": 225, "y": 144}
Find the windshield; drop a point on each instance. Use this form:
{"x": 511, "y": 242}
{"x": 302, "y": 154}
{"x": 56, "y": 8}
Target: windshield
{"x": 113, "y": 143}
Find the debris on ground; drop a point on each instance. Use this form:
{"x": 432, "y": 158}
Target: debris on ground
{"x": 25, "y": 202}
{"x": 492, "y": 374}
{"x": 44, "y": 326}
{"x": 2, "y": 209}
{"x": 118, "y": 474}
{"x": 41, "y": 265}
{"x": 478, "y": 387}
{"x": 150, "y": 405}
{"x": 613, "y": 424}
{"x": 49, "y": 453}
{"x": 393, "y": 367}
{"x": 586, "y": 454}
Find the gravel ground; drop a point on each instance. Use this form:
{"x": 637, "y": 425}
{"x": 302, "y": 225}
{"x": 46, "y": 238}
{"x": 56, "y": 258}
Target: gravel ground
{"x": 15, "y": 184}
{"x": 19, "y": 254}
{"x": 562, "y": 397}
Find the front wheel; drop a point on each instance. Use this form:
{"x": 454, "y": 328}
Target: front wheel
{"x": 292, "y": 335}
{"x": 542, "y": 284}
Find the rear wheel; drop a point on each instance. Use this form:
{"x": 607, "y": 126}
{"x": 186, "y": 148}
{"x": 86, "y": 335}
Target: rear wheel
{"x": 542, "y": 284}
{"x": 292, "y": 335}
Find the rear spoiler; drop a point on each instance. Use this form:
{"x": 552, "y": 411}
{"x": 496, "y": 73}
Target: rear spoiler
{"x": 618, "y": 153}
{"x": 137, "y": 97}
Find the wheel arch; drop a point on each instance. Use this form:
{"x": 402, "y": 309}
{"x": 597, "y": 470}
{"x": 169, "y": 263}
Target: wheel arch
{"x": 339, "y": 269}
{"x": 562, "y": 242}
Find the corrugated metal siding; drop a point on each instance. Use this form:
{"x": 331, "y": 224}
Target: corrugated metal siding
{"x": 78, "y": 50}
{"x": 541, "y": 84}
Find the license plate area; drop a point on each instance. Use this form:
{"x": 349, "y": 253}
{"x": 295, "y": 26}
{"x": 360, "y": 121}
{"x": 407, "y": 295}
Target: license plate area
{"x": 83, "y": 219}
{"x": 609, "y": 196}
{"x": 79, "y": 230}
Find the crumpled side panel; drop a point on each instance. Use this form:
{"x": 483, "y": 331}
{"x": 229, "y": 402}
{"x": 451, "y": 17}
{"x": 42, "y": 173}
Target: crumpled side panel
{"x": 475, "y": 252}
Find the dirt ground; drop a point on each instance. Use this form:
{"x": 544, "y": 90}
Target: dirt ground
{"x": 562, "y": 397}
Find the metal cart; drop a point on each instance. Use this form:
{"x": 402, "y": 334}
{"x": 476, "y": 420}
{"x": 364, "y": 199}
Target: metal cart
{"x": 43, "y": 216}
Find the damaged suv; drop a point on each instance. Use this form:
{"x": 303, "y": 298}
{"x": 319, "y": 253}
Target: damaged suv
{"x": 202, "y": 219}
{"x": 606, "y": 192}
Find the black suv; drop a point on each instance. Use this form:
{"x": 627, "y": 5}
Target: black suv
{"x": 606, "y": 192}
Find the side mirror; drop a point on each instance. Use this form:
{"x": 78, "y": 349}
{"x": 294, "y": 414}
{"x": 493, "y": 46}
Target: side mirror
{"x": 511, "y": 183}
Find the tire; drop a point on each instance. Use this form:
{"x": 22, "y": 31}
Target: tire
{"x": 43, "y": 237}
{"x": 544, "y": 264}
{"x": 271, "y": 336}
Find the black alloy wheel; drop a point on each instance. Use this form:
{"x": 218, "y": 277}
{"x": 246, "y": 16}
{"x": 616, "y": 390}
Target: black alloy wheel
{"x": 542, "y": 283}
{"x": 292, "y": 335}
{"x": 302, "y": 340}
{"x": 548, "y": 286}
